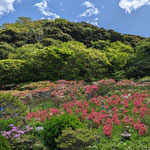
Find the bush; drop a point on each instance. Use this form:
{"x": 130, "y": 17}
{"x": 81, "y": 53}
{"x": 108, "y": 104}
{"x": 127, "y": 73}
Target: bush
{"x": 11, "y": 106}
{"x": 35, "y": 85}
{"x": 132, "y": 144}
{"x": 4, "y": 145}
{"x": 20, "y": 43}
{"x": 53, "y": 128}
{"x": 69, "y": 61}
{"x": 47, "y": 41}
{"x": 145, "y": 79}
{"x": 139, "y": 69}
{"x": 13, "y": 71}
{"x": 5, "y": 49}
{"x": 81, "y": 138}
{"x": 4, "y": 124}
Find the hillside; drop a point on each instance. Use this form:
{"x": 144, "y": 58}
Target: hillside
{"x": 64, "y": 86}
{"x": 59, "y": 49}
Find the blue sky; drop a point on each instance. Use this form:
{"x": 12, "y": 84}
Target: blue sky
{"x": 124, "y": 16}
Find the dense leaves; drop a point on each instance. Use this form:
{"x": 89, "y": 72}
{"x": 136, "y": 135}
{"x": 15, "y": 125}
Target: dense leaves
{"x": 11, "y": 106}
{"x": 54, "y": 126}
{"x": 59, "y": 49}
{"x": 81, "y": 138}
{"x": 4, "y": 145}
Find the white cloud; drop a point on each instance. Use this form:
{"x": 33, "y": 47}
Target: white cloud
{"x": 7, "y": 6}
{"x": 130, "y": 5}
{"x": 91, "y": 10}
{"x": 88, "y": 4}
{"x": 93, "y": 22}
{"x": 45, "y": 10}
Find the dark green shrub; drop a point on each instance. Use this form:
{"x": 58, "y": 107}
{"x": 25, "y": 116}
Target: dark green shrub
{"x": 61, "y": 36}
{"x": 65, "y": 37}
{"x": 100, "y": 44}
{"x": 55, "y": 31}
{"x": 4, "y": 124}
{"x": 20, "y": 43}
{"x": 118, "y": 75}
{"x": 53, "y": 128}
{"x": 5, "y": 49}
{"x": 47, "y": 41}
{"x": 4, "y": 145}
{"x": 143, "y": 49}
{"x": 11, "y": 106}
{"x": 78, "y": 139}
{"x": 139, "y": 69}
{"x": 24, "y": 143}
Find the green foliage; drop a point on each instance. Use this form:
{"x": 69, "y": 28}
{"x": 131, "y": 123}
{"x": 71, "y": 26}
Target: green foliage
{"x": 145, "y": 79}
{"x": 34, "y": 85}
{"x": 132, "y": 39}
{"x": 53, "y": 128}
{"x": 143, "y": 49}
{"x": 70, "y": 61}
{"x": 118, "y": 75}
{"x": 139, "y": 69}
{"x": 114, "y": 36}
{"x": 46, "y": 50}
{"x": 100, "y": 44}
{"x": 12, "y": 106}
{"x": 5, "y": 46}
{"x": 60, "y": 29}
{"x": 4, "y": 145}
{"x": 88, "y": 64}
{"x": 23, "y": 20}
{"x": 25, "y": 52}
{"x": 81, "y": 138}
{"x": 140, "y": 66}
{"x": 47, "y": 41}
{"x": 5, "y": 49}
{"x": 23, "y": 143}
{"x": 4, "y": 123}
{"x": 118, "y": 55}
{"x": 124, "y": 145}
{"x": 20, "y": 43}
{"x": 13, "y": 71}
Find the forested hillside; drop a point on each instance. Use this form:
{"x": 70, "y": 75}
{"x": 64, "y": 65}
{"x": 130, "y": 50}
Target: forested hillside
{"x": 59, "y": 49}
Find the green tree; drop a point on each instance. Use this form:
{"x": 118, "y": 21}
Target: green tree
{"x": 143, "y": 49}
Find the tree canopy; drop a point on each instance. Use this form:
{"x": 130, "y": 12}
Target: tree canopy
{"x": 32, "y": 50}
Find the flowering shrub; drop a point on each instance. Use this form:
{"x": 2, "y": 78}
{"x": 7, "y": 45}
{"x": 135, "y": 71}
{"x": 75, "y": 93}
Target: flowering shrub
{"x": 111, "y": 107}
{"x": 105, "y": 82}
{"x": 125, "y": 83}
{"x": 36, "y": 85}
{"x": 127, "y": 110}
{"x": 15, "y": 132}
{"x": 19, "y": 139}
{"x": 42, "y": 115}
{"x": 67, "y": 91}
{"x": 91, "y": 90}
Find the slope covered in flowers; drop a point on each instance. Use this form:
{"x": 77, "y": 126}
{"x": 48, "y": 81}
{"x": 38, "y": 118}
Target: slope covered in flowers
{"x": 111, "y": 107}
